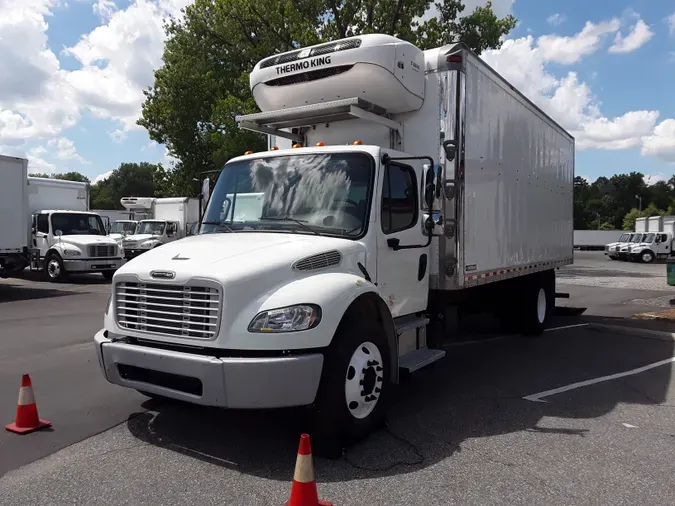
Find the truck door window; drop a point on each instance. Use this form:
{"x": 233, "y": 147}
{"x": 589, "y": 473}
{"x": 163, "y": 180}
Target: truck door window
{"x": 171, "y": 229}
{"x": 399, "y": 198}
{"x": 43, "y": 223}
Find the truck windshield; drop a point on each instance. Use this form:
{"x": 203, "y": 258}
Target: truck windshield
{"x": 123, "y": 227}
{"x": 648, "y": 238}
{"x": 624, "y": 238}
{"x": 325, "y": 194}
{"x": 151, "y": 227}
{"x": 77, "y": 224}
{"x": 636, "y": 238}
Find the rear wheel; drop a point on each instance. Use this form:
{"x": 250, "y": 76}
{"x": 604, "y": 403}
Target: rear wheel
{"x": 355, "y": 385}
{"x": 538, "y": 303}
{"x": 647, "y": 257}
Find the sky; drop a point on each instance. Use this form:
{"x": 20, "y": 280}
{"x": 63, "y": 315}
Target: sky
{"x": 72, "y": 75}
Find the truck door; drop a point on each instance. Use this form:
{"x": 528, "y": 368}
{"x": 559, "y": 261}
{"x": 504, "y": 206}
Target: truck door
{"x": 41, "y": 235}
{"x": 402, "y": 275}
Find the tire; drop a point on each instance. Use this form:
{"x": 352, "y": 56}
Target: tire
{"x": 346, "y": 410}
{"x": 108, "y": 275}
{"x": 537, "y": 305}
{"x": 646, "y": 257}
{"x": 54, "y": 269}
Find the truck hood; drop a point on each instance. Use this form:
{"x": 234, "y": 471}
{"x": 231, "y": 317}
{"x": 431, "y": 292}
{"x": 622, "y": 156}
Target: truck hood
{"x": 238, "y": 255}
{"x": 87, "y": 240}
{"x": 140, "y": 237}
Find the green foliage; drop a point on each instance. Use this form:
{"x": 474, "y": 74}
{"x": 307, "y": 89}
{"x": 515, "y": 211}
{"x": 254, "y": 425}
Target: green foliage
{"x": 131, "y": 180}
{"x": 613, "y": 200}
{"x": 210, "y": 51}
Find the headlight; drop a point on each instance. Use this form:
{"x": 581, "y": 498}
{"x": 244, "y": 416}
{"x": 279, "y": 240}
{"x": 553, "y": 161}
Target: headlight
{"x": 147, "y": 244}
{"x": 72, "y": 252}
{"x": 287, "y": 319}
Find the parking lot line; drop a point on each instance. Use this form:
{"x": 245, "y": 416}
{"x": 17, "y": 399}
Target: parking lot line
{"x": 506, "y": 336}
{"x": 567, "y": 327}
{"x": 538, "y": 397}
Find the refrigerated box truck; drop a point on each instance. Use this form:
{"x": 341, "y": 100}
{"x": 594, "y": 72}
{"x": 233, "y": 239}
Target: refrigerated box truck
{"x": 169, "y": 219}
{"x": 419, "y": 184}
{"x": 14, "y": 215}
{"x": 66, "y": 237}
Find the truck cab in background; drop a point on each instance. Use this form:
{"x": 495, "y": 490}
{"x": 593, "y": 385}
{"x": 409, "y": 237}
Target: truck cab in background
{"x": 66, "y": 242}
{"x": 653, "y": 246}
{"x": 168, "y": 219}
{"x": 120, "y": 229}
{"x": 624, "y": 249}
{"x": 612, "y": 249}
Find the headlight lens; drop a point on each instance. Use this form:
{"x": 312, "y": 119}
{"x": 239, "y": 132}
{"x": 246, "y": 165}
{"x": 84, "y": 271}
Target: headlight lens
{"x": 71, "y": 252}
{"x": 287, "y": 319}
{"x": 147, "y": 244}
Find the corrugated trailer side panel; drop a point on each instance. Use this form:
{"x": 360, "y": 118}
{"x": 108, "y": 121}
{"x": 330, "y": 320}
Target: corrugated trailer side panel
{"x": 13, "y": 204}
{"x": 518, "y": 186}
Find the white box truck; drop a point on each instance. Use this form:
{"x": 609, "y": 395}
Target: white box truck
{"x": 66, "y": 237}
{"x": 14, "y": 216}
{"x": 419, "y": 182}
{"x": 169, "y": 219}
{"x": 594, "y": 239}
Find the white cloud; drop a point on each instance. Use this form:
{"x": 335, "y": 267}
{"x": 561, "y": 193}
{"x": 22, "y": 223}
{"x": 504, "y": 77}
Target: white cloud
{"x": 556, "y": 19}
{"x": 671, "y": 23}
{"x": 65, "y": 149}
{"x": 105, "y": 8}
{"x": 639, "y": 35}
{"x": 570, "y": 101}
{"x": 102, "y": 177}
{"x": 501, "y": 8}
{"x": 36, "y": 162}
{"x": 118, "y": 135}
{"x": 661, "y": 142}
{"x": 652, "y": 179}
{"x": 568, "y": 50}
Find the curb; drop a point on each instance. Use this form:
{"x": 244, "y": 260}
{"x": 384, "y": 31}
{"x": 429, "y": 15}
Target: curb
{"x": 660, "y": 335}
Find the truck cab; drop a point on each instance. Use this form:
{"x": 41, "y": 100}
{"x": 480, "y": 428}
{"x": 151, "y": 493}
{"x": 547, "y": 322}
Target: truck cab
{"x": 67, "y": 242}
{"x": 150, "y": 234}
{"x": 653, "y": 245}
{"x": 612, "y": 249}
{"x": 623, "y": 252}
{"x": 120, "y": 229}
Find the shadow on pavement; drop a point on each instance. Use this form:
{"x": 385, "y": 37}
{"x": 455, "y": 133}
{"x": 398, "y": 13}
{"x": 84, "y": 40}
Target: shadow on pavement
{"x": 575, "y": 272}
{"x": 73, "y": 279}
{"x": 15, "y": 293}
{"x": 475, "y": 392}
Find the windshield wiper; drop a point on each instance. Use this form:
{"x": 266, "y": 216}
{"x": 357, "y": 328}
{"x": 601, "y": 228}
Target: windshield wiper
{"x": 219, "y": 223}
{"x": 302, "y": 223}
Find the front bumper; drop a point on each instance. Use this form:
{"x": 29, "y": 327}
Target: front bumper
{"x": 92, "y": 264}
{"x": 231, "y": 382}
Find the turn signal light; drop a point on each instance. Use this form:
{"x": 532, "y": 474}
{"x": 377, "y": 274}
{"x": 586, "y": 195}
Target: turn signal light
{"x": 298, "y": 145}
{"x": 320, "y": 143}
{"x": 274, "y": 148}
{"x": 357, "y": 143}
{"x": 249, "y": 152}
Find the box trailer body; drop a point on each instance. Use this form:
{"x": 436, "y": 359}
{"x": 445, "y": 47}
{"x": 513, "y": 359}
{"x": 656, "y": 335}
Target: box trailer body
{"x": 14, "y": 215}
{"x": 641, "y": 225}
{"x": 433, "y": 188}
{"x": 44, "y": 193}
{"x": 595, "y": 239}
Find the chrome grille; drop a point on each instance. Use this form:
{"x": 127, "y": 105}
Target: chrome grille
{"x": 320, "y": 261}
{"x": 170, "y": 310}
{"x": 102, "y": 250}
{"x": 129, "y": 244}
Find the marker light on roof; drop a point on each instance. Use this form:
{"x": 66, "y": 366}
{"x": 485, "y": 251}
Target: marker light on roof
{"x": 320, "y": 143}
{"x": 298, "y": 145}
{"x": 357, "y": 142}
{"x": 274, "y": 148}
{"x": 249, "y": 152}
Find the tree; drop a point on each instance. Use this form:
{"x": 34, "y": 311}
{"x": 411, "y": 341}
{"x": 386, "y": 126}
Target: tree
{"x": 209, "y": 53}
{"x": 130, "y": 180}
{"x": 630, "y": 219}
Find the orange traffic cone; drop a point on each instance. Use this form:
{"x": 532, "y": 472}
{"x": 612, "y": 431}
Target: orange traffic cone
{"x": 27, "y": 419}
{"x": 303, "y": 492}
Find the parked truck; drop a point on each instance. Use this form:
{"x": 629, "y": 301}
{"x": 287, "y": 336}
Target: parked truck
{"x": 655, "y": 245}
{"x": 594, "y": 239}
{"x": 14, "y": 215}
{"x": 420, "y": 184}
{"x": 66, "y": 238}
{"x": 169, "y": 219}
{"x": 612, "y": 249}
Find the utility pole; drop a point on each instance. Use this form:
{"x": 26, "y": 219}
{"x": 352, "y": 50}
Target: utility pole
{"x": 640, "y": 202}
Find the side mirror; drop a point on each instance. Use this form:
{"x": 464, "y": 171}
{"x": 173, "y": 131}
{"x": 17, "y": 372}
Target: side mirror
{"x": 58, "y": 233}
{"x": 32, "y": 230}
{"x": 429, "y": 187}
{"x": 450, "y": 148}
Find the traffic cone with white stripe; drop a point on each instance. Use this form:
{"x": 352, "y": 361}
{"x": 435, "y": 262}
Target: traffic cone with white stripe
{"x": 27, "y": 419}
{"x": 303, "y": 492}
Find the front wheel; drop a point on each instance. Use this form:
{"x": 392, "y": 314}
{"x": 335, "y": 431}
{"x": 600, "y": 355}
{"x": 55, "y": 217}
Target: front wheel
{"x": 355, "y": 385}
{"x": 647, "y": 257}
{"x": 54, "y": 268}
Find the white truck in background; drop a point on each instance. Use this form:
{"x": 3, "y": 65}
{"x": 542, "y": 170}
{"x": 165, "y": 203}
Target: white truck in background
{"x": 66, "y": 238}
{"x": 656, "y": 245}
{"x": 168, "y": 219}
{"x": 612, "y": 249}
{"x": 14, "y": 215}
{"x": 399, "y": 205}
{"x": 594, "y": 239}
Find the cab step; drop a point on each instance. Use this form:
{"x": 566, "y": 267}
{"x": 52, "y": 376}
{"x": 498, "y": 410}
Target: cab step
{"x": 415, "y": 360}
{"x": 410, "y": 322}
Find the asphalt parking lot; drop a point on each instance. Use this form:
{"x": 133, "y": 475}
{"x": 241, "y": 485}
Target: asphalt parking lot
{"x": 577, "y": 416}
